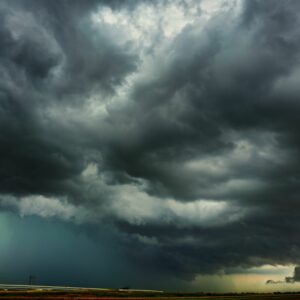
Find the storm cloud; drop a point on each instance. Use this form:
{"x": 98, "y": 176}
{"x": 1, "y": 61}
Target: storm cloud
{"x": 174, "y": 123}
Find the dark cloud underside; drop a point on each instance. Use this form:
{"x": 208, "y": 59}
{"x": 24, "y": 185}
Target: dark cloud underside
{"x": 183, "y": 137}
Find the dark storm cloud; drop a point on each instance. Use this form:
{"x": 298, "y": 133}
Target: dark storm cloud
{"x": 228, "y": 82}
{"x": 45, "y": 57}
{"x": 148, "y": 135}
{"x": 224, "y": 82}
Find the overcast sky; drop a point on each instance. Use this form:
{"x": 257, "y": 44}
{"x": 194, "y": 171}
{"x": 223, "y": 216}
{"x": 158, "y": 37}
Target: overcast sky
{"x": 153, "y": 144}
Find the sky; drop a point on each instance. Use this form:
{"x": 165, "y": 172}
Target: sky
{"x": 150, "y": 144}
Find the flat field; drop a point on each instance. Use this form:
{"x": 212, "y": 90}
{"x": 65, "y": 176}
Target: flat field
{"x": 111, "y": 295}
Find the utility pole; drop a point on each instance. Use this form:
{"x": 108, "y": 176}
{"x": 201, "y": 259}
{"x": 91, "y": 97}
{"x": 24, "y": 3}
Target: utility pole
{"x": 31, "y": 279}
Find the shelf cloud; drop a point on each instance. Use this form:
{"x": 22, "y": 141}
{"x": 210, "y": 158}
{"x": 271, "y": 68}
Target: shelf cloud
{"x": 174, "y": 123}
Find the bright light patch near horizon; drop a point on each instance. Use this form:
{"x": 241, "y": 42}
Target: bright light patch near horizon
{"x": 249, "y": 280}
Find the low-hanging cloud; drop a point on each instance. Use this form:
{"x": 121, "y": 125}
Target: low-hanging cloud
{"x": 183, "y": 136}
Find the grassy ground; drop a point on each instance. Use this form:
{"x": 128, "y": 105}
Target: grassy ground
{"x": 111, "y": 295}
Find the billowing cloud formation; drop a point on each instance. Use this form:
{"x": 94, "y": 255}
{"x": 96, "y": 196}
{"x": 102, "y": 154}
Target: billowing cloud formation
{"x": 176, "y": 122}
